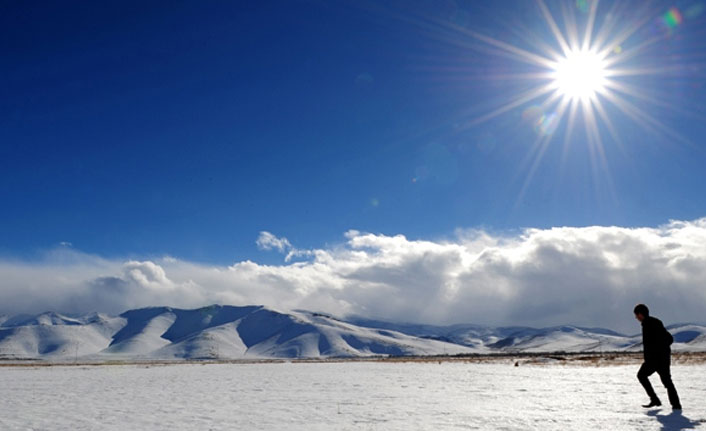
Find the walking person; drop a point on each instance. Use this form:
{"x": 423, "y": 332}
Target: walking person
{"x": 655, "y": 343}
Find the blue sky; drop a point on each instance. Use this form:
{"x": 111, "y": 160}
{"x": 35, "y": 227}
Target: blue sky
{"x": 385, "y": 159}
{"x": 186, "y": 129}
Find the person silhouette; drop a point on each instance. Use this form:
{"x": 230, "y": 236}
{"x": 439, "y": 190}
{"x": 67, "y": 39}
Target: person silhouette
{"x": 657, "y": 353}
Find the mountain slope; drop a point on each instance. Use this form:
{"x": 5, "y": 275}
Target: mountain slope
{"x": 211, "y": 332}
{"x": 687, "y": 337}
{"x": 49, "y": 337}
{"x": 229, "y": 332}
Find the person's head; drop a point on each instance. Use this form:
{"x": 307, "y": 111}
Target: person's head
{"x": 641, "y": 311}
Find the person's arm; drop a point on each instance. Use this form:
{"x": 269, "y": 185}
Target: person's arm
{"x": 668, "y": 339}
{"x": 663, "y": 338}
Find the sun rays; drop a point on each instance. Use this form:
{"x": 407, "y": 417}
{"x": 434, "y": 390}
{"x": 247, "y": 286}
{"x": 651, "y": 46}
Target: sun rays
{"x": 582, "y": 74}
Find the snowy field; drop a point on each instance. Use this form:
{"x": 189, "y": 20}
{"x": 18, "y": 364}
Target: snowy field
{"x": 342, "y": 396}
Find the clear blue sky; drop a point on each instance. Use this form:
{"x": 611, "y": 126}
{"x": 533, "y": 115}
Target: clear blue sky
{"x": 186, "y": 128}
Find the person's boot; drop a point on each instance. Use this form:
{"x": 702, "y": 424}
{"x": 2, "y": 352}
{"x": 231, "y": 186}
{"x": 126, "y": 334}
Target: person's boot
{"x": 653, "y": 403}
{"x": 677, "y": 407}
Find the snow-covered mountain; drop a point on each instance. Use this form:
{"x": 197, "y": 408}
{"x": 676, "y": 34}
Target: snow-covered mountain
{"x": 210, "y": 332}
{"x": 687, "y": 337}
{"x": 228, "y": 332}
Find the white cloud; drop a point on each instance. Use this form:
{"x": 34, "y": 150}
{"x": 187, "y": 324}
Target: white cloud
{"x": 267, "y": 241}
{"x": 588, "y": 276}
{"x": 147, "y": 275}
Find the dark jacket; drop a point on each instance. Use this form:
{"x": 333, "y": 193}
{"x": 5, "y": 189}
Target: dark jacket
{"x": 655, "y": 340}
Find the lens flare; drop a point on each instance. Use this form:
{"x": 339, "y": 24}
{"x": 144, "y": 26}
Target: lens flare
{"x": 672, "y": 18}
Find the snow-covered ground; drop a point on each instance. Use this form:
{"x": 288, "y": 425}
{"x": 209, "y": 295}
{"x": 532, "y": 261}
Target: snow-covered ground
{"x": 342, "y": 396}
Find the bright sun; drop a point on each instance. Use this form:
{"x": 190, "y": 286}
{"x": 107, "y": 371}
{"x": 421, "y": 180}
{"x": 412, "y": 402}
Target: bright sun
{"x": 580, "y": 75}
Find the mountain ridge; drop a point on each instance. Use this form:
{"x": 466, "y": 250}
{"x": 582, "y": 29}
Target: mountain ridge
{"x": 260, "y": 332}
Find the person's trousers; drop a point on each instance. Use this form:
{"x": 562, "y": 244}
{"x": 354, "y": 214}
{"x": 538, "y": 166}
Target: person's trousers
{"x": 661, "y": 368}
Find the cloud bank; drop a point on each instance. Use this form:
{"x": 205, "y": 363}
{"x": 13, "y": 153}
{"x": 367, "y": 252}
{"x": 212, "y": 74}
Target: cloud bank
{"x": 590, "y": 276}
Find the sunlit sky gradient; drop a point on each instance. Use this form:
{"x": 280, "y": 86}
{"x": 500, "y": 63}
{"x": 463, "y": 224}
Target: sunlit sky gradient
{"x": 186, "y": 129}
{"x": 227, "y": 132}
